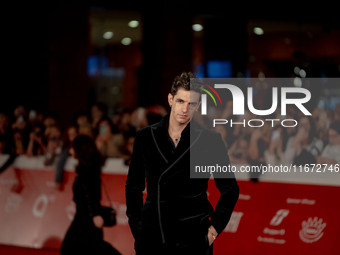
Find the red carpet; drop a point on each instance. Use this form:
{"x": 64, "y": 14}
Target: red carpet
{"x": 15, "y": 250}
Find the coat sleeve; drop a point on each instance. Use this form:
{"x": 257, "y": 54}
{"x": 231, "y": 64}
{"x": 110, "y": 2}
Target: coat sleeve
{"x": 227, "y": 186}
{"x": 134, "y": 187}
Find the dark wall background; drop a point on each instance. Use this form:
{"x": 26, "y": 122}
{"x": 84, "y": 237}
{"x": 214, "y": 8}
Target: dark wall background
{"x": 45, "y": 47}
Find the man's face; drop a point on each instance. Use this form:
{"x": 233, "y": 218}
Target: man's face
{"x": 183, "y": 105}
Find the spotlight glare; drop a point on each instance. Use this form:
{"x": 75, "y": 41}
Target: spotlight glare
{"x": 126, "y": 41}
{"x": 197, "y": 27}
{"x": 133, "y": 23}
{"x": 258, "y": 31}
{"x": 108, "y": 35}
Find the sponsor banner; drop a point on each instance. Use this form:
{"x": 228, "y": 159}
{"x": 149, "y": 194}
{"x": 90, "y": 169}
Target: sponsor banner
{"x": 268, "y": 218}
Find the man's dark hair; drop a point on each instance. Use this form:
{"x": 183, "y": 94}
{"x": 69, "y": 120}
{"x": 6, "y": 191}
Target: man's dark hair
{"x": 187, "y": 81}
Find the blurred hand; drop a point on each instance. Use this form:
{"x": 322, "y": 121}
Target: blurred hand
{"x": 98, "y": 221}
{"x": 212, "y": 234}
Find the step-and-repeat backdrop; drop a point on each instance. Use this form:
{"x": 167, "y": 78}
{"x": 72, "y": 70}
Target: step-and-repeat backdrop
{"x": 269, "y": 217}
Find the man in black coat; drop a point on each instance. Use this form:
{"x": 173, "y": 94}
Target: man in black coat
{"x": 177, "y": 217}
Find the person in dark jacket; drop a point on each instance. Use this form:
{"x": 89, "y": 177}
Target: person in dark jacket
{"x": 85, "y": 234}
{"x": 176, "y": 216}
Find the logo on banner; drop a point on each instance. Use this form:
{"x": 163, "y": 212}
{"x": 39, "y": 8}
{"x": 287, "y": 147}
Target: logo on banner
{"x": 204, "y": 98}
{"x": 280, "y": 100}
{"x": 238, "y": 99}
{"x": 272, "y": 233}
{"x": 312, "y": 230}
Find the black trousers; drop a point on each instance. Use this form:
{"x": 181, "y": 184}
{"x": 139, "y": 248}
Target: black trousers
{"x": 82, "y": 237}
{"x": 166, "y": 249}
{"x": 149, "y": 242}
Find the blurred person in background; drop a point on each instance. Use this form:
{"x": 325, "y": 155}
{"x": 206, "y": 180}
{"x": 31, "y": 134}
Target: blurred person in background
{"x": 97, "y": 111}
{"x": 21, "y": 123}
{"x": 323, "y": 118}
{"x": 50, "y": 119}
{"x": 278, "y": 139}
{"x": 277, "y": 145}
{"x": 123, "y": 123}
{"x": 86, "y": 129}
{"x": 35, "y": 117}
{"x": 337, "y": 112}
{"x": 19, "y": 110}
{"x": 81, "y": 118}
{"x": 68, "y": 137}
{"x": 21, "y": 130}
{"x": 85, "y": 234}
{"x": 109, "y": 140}
{"x": 139, "y": 118}
{"x": 240, "y": 130}
{"x": 53, "y": 146}
{"x": 20, "y": 142}
{"x": 6, "y": 135}
{"x": 331, "y": 153}
{"x": 14, "y": 136}
{"x": 157, "y": 109}
{"x": 238, "y": 151}
{"x": 37, "y": 142}
{"x": 155, "y": 113}
{"x": 83, "y": 123}
{"x": 258, "y": 144}
{"x": 305, "y": 146}
{"x": 127, "y": 150}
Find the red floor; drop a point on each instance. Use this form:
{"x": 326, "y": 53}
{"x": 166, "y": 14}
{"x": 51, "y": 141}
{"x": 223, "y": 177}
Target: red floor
{"x": 15, "y": 250}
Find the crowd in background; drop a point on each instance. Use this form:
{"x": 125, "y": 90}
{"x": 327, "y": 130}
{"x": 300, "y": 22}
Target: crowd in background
{"x": 32, "y": 133}
{"x": 316, "y": 138}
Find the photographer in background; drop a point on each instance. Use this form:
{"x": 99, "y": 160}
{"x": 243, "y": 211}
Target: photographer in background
{"x": 37, "y": 143}
{"x": 53, "y": 146}
{"x": 109, "y": 140}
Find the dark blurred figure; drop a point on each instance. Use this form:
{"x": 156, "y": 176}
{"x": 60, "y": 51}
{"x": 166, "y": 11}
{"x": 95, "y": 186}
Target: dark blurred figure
{"x": 124, "y": 122}
{"x": 82, "y": 122}
{"x": 35, "y": 117}
{"x": 14, "y": 135}
{"x": 20, "y": 142}
{"x": 50, "y": 119}
{"x": 21, "y": 129}
{"x": 53, "y": 145}
{"x": 85, "y": 234}
{"x": 37, "y": 143}
{"x": 68, "y": 137}
{"x": 98, "y": 111}
{"x": 6, "y": 135}
{"x": 19, "y": 114}
{"x": 128, "y": 146}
